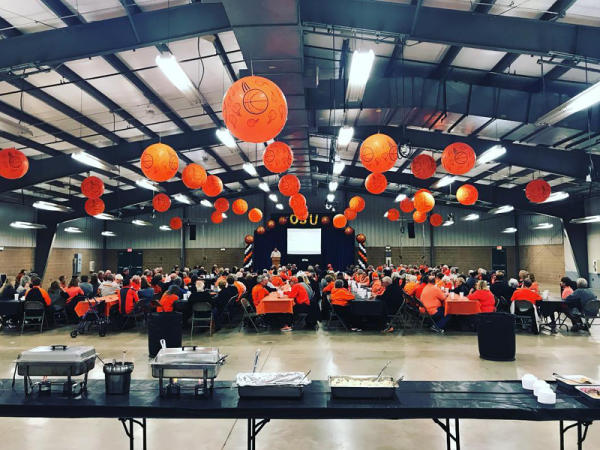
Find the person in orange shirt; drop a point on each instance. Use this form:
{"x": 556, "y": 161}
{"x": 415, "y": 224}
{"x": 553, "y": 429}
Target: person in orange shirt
{"x": 377, "y": 288}
{"x": 420, "y": 287}
{"x": 128, "y": 297}
{"x": 361, "y": 277}
{"x": 432, "y": 299}
{"x": 411, "y": 284}
{"x": 240, "y": 287}
{"x": 186, "y": 279}
{"x": 525, "y": 293}
{"x": 260, "y": 291}
{"x": 36, "y": 293}
{"x": 167, "y": 300}
{"x": 329, "y": 286}
{"x": 340, "y": 296}
{"x": 73, "y": 290}
{"x": 535, "y": 287}
{"x": 276, "y": 281}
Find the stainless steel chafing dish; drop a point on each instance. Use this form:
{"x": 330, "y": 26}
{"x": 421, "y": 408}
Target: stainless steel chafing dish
{"x": 271, "y": 384}
{"x": 362, "y": 386}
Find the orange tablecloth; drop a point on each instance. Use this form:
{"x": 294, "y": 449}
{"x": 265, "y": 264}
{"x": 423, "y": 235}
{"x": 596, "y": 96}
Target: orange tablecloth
{"x": 463, "y": 307}
{"x": 82, "y": 307}
{"x": 273, "y": 304}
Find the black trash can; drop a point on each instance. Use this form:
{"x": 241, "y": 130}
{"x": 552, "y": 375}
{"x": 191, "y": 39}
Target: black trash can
{"x": 496, "y": 336}
{"x": 117, "y": 378}
{"x": 164, "y": 325}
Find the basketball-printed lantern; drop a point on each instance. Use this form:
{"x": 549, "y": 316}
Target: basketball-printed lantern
{"x": 255, "y": 215}
{"x": 176, "y": 223}
{"x": 213, "y": 186}
{"x": 458, "y": 158}
{"x": 193, "y": 176}
{"x": 270, "y": 224}
{"x": 13, "y": 163}
{"x": 538, "y": 191}
{"x": 357, "y": 203}
{"x": 94, "y": 206}
{"x": 348, "y": 230}
{"x": 254, "y": 109}
{"x": 424, "y": 201}
{"x": 339, "y": 221}
{"x": 278, "y": 157}
{"x": 159, "y": 162}
{"x": 249, "y": 239}
{"x": 436, "y": 220}
{"x": 161, "y": 202}
{"x": 361, "y": 238}
{"x": 282, "y": 220}
{"x": 92, "y": 187}
{"x": 289, "y": 185}
{"x": 239, "y": 206}
{"x": 297, "y": 201}
{"x": 376, "y": 183}
{"x": 260, "y": 230}
{"x": 350, "y": 213}
{"x": 419, "y": 216}
{"x": 423, "y": 166}
{"x": 393, "y": 214}
{"x": 216, "y": 217}
{"x": 325, "y": 220}
{"x": 378, "y": 153}
{"x": 467, "y": 194}
{"x": 221, "y": 204}
{"x": 407, "y": 206}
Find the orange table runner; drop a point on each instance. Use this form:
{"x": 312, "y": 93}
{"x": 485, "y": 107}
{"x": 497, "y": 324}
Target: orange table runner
{"x": 464, "y": 307}
{"x": 273, "y": 304}
{"x": 82, "y": 307}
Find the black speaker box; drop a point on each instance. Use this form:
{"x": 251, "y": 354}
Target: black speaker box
{"x": 411, "y": 230}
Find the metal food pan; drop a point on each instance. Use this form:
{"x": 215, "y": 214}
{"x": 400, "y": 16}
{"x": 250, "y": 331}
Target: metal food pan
{"x": 565, "y": 384}
{"x": 592, "y": 401}
{"x": 185, "y": 370}
{"x": 384, "y": 392}
{"x": 275, "y": 391}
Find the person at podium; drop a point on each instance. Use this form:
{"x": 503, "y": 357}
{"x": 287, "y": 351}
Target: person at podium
{"x": 275, "y": 257}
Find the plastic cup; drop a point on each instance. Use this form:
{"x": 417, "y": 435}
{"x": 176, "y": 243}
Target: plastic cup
{"x": 539, "y": 386}
{"x": 528, "y": 381}
{"x": 462, "y": 295}
{"x": 16, "y": 296}
{"x": 547, "y": 397}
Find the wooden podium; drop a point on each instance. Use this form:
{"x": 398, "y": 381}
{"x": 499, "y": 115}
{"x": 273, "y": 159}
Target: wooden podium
{"x": 276, "y": 261}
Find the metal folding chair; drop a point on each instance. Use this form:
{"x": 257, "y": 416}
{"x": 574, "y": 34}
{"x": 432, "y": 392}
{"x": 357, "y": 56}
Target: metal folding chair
{"x": 333, "y": 315}
{"x": 250, "y": 316}
{"x": 34, "y": 314}
{"x": 590, "y": 313}
{"x": 398, "y": 319}
{"x": 524, "y": 313}
{"x": 202, "y": 317}
{"x": 426, "y": 317}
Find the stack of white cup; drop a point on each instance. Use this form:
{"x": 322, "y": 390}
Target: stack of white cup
{"x": 540, "y": 388}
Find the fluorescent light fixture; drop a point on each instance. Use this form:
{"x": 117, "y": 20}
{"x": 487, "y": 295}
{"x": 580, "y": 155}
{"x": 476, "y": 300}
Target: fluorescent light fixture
{"x": 471, "y": 217}
{"x": 385, "y": 214}
{"x": 224, "y": 216}
{"x": 502, "y": 209}
{"x": 273, "y": 198}
{"x": 491, "y": 154}
{"x": 249, "y": 167}
{"x": 510, "y": 230}
{"x": 400, "y": 197}
{"x": 176, "y": 75}
{"x": 49, "y": 206}
{"x": 333, "y": 185}
{"x": 360, "y": 69}
{"x": 108, "y": 233}
{"x": 587, "y": 219}
{"x": 338, "y": 165}
{"x": 73, "y": 230}
{"x": 225, "y": 137}
{"x": 141, "y": 223}
{"x": 445, "y": 181}
{"x": 581, "y": 101}
{"x": 90, "y": 160}
{"x": 164, "y": 228}
{"x": 105, "y": 216}
{"x": 263, "y": 186}
{"x": 14, "y": 127}
{"x": 182, "y": 198}
{"x": 345, "y": 135}
{"x": 147, "y": 184}
{"x": 206, "y": 203}
{"x": 557, "y": 197}
{"x": 448, "y": 223}
{"x": 330, "y": 197}
{"x": 27, "y": 225}
{"x": 542, "y": 226}
{"x": 279, "y": 206}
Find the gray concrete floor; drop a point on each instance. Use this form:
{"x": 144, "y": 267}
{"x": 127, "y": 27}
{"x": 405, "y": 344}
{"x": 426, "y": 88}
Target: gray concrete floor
{"x": 417, "y": 356}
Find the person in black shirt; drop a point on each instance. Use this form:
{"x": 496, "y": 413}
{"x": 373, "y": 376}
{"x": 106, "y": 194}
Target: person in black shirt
{"x": 501, "y": 288}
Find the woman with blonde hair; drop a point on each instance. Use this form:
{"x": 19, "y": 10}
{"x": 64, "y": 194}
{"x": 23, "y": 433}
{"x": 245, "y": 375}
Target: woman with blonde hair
{"x": 482, "y": 294}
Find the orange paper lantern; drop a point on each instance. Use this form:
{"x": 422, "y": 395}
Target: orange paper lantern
{"x": 350, "y": 213}
{"x": 378, "y": 153}
{"x": 467, "y": 194}
{"x": 393, "y": 214}
{"x": 176, "y": 223}
{"x": 376, "y": 183}
{"x": 297, "y": 201}
{"x": 221, "y": 204}
{"x": 216, "y": 217}
{"x": 289, "y": 185}
{"x": 161, "y": 202}
{"x": 302, "y": 214}
{"x": 254, "y": 109}
{"x": 423, "y": 166}
{"x": 407, "y": 205}
{"x": 213, "y": 186}
{"x": 239, "y": 206}
{"x": 278, "y": 157}
{"x": 92, "y": 187}
{"x": 339, "y": 221}
{"x": 538, "y": 191}
{"x": 270, "y": 224}
{"x": 458, "y": 158}
{"x": 255, "y": 215}
{"x": 249, "y": 239}
{"x": 193, "y": 176}
{"x": 282, "y": 220}
{"x": 419, "y": 216}
{"x": 361, "y": 238}
{"x": 159, "y": 162}
{"x": 260, "y": 230}
{"x": 436, "y": 220}
{"x": 357, "y": 203}
{"x": 424, "y": 201}
{"x": 13, "y": 163}
{"x": 94, "y": 206}
{"x": 325, "y": 220}
{"x": 348, "y": 230}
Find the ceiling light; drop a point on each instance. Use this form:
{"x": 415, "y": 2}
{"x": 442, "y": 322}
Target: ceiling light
{"x": 279, "y": 206}
{"x": 360, "y": 68}
{"x": 147, "y": 184}
{"x": 542, "y": 226}
{"x": 90, "y": 160}
{"x": 73, "y": 230}
{"x": 385, "y": 214}
{"x": 206, "y": 203}
{"x": 581, "y": 101}
{"x": 445, "y": 181}
{"x": 510, "y": 230}
{"x": 174, "y": 72}
{"x": 105, "y": 216}
{"x": 400, "y": 197}
{"x": 164, "y": 228}
{"x": 249, "y": 167}
{"x": 14, "y": 127}
{"x": 330, "y": 197}
{"x": 448, "y": 223}
{"x": 108, "y": 233}
{"x": 225, "y": 137}
{"x": 27, "y": 225}
{"x": 182, "y": 198}
{"x": 338, "y": 165}
{"x": 471, "y": 217}
{"x": 273, "y": 198}
{"x": 557, "y": 197}
{"x": 502, "y": 209}
{"x": 141, "y": 223}
{"x": 491, "y": 154}
{"x": 345, "y": 136}
{"x": 49, "y": 206}
{"x": 333, "y": 185}
{"x": 587, "y": 219}
{"x": 263, "y": 186}
{"x": 224, "y": 216}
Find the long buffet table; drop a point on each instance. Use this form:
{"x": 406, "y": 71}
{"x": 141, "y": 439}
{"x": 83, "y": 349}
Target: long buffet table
{"x": 446, "y": 402}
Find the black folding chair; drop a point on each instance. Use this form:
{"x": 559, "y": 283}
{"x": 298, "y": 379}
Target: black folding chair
{"x": 202, "y": 317}
{"x": 426, "y": 317}
{"x": 398, "y": 319}
{"x": 250, "y": 316}
{"x": 524, "y": 313}
{"x": 334, "y": 315}
{"x": 590, "y": 313}
{"x": 34, "y": 315}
